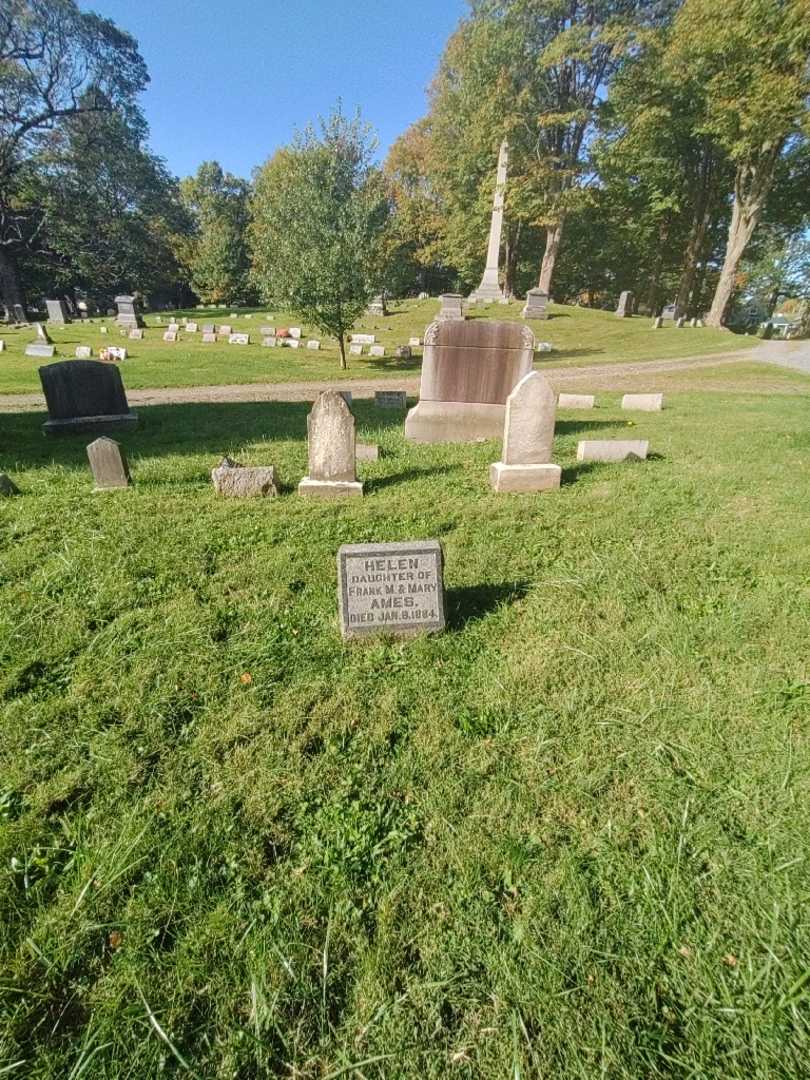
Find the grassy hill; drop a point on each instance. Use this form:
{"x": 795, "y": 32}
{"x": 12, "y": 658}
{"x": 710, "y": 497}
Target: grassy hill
{"x": 579, "y": 336}
{"x": 566, "y": 838}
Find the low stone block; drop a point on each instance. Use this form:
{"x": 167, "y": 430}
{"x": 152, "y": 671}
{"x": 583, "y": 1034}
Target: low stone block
{"x": 313, "y": 344}
{"x": 102, "y": 329}
{"x": 643, "y": 402}
{"x": 658, "y": 323}
{"x": 173, "y": 328}
{"x": 191, "y": 327}
{"x": 239, "y": 339}
{"x": 612, "y": 449}
{"x": 395, "y": 588}
{"x": 209, "y": 328}
{"x": 362, "y": 339}
{"x": 376, "y": 350}
{"x": 267, "y": 331}
{"x": 242, "y": 481}
{"x": 209, "y": 339}
{"x": 355, "y": 349}
{"x": 170, "y": 336}
{"x": 367, "y": 451}
{"x": 84, "y": 352}
{"x": 403, "y": 352}
{"x": 576, "y": 401}
{"x": 269, "y": 342}
{"x": 525, "y": 478}
{"x": 291, "y": 343}
{"x": 295, "y": 332}
{"x": 136, "y": 334}
{"x": 390, "y": 399}
{"x": 544, "y": 346}
{"x": 225, "y": 330}
{"x": 2, "y": 345}
{"x": 35, "y": 349}
{"x": 415, "y": 342}
{"x": 7, "y": 486}
{"x": 329, "y": 489}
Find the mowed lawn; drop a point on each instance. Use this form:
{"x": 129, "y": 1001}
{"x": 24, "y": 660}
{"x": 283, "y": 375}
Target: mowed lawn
{"x": 579, "y": 336}
{"x": 567, "y": 838}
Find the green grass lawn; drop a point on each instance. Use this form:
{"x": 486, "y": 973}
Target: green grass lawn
{"x": 579, "y": 336}
{"x": 567, "y": 838}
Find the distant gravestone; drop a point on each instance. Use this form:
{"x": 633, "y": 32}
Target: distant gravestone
{"x": 84, "y": 395}
{"x": 209, "y": 339}
{"x": 679, "y": 322}
{"x": 173, "y": 327}
{"x": 402, "y": 352}
{"x": 355, "y": 349}
{"x": 643, "y": 402}
{"x": 291, "y": 343}
{"x": 225, "y": 330}
{"x": 331, "y": 445}
{"x": 57, "y": 312}
{"x": 109, "y": 464}
{"x": 626, "y": 303}
{"x": 191, "y": 327}
{"x": 128, "y": 315}
{"x": 390, "y": 399}
{"x": 528, "y": 437}
{"x": 295, "y": 333}
{"x": 267, "y": 342}
{"x": 113, "y": 353}
{"x": 658, "y": 322}
{"x": 37, "y": 348}
{"x": 313, "y": 345}
{"x": 452, "y": 307}
{"x": 239, "y": 339}
{"x": 241, "y": 481}
{"x": 536, "y": 304}
{"x": 209, "y": 328}
{"x": 42, "y": 334}
{"x": 424, "y": 296}
{"x": 576, "y": 401}
{"x": 377, "y": 305}
{"x": 469, "y": 369}
{"x": 265, "y": 331}
{"x": 7, "y": 486}
{"x": 102, "y": 329}
{"x": 612, "y": 449}
{"x": 362, "y": 339}
{"x": 393, "y": 588}
{"x": 84, "y": 352}
{"x": 136, "y": 334}
{"x": 376, "y": 350}
{"x": 19, "y": 313}
{"x": 170, "y": 335}
{"x": 2, "y": 345}
{"x": 693, "y": 323}
{"x": 415, "y": 342}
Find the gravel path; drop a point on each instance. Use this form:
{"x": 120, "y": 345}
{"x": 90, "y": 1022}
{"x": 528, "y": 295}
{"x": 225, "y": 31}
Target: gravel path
{"x": 597, "y": 376}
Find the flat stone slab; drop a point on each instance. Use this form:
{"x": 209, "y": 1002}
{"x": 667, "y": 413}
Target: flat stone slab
{"x": 329, "y": 489}
{"x": 643, "y": 402}
{"x": 244, "y": 481}
{"x": 612, "y": 449}
{"x": 524, "y": 478}
{"x": 40, "y": 350}
{"x": 363, "y": 339}
{"x": 239, "y": 339}
{"x": 395, "y": 588}
{"x": 390, "y": 399}
{"x": 576, "y": 401}
{"x": 90, "y": 424}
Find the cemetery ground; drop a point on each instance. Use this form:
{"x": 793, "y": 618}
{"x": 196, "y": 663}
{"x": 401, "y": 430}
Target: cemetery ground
{"x": 568, "y": 837}
{"x": 580, "y": 336}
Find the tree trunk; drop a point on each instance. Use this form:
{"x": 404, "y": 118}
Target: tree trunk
{"x": 553, "y": 237}
{"x": 512, "y": 249}
{"x": 701, "y": 219}
{"x": 10, "y": 291}
{"x": 751, "y": 186}
{"x": 342, "y": 347}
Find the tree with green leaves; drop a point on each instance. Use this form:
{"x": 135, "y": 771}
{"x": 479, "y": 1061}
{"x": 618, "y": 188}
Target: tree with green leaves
{"x": 747, "y": 60}
{"x": 320, "y": 209}
{"x": 217, "y": 252}
{"x": 56, "y": 62}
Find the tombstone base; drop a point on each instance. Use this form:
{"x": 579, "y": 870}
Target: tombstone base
{"x": 92, "y": 424}
{"x": 517, "y": 478}
{"x": 453, "y": 421}
{"x": 329, "y": 489}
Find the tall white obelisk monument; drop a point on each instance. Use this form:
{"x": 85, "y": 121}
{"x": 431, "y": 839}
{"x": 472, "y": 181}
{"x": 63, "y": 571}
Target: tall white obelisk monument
{"x": 490, "y": 287}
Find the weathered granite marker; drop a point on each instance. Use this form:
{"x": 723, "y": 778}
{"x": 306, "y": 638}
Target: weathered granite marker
{"x": 643, "y": 402}
{"x": 109, "y": 464}
{"x": 576, "y": 401}
{"x": 331, "y": 442}
{"x": 393, "y": 588}
{"x": 612, "y": 449}
{"x": 242, "y": 481}
{"x": 527, "y": 439}
{"x": 390, "y": 399}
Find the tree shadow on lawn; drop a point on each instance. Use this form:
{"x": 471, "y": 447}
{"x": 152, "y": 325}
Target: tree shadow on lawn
{"x": 472, "y": 602}
{"x": 193, "y": 428}
{"x": 568, "y": 354}
{"x": 573, "y": 427}
{"x": 572, "y": 473}
{"x": 394, "y": 363}
{"x": 409, "y": 474}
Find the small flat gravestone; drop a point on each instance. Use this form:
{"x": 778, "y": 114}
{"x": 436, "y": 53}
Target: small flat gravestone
{"x": 242, "y": 481}
{"x": 612, "y": 450}
{"x": 313, "y": 345}
{"x": 452, "y": 307}
{"x": 643, "y": 402}
{"x": 402, "y": 352}
{"x": 269, "y": 342}
{"x": 7, "y": 486}
{"x": 390, "y": 399}
{"x": 84, "y": 395}
{"x": 109, "y": 464}
{"x": 136, "y": 333}
{"x": 291, "y": 343}
{"x": 265, "y": 331}
{"x": 2, "y": 345}
{"x": 128, "y": 315}
{"x": 576, "y": 401}
{"x": 658, "y": 322}
{"x": 295, "y": 333}
{"x": 225, "y": 330}
{"x": 170, "y": 335}
{"x": 191, "y": 327}
{"x": 415, "y": 342}
{"x": 376, "y": 350}
{"x": 209, "y": 328}
{"x": 331, "y": 445}
{"x": 84, "y": 352}
{"x": 355, "y": 349}
{"x": 209, "y": 339}
{"x": 527, "y": 439}
{"x": 393, "y": 588}
{"x": 37, "y": 348}
{"x": 239, "y": 339}
{"x": 363, "y": 339}
{"x": 536, "y": 304}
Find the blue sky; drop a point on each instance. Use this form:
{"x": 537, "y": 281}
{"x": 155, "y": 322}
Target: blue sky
{"x": 231, "y": 81}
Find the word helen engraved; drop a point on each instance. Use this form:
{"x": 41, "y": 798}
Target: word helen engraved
{"x": 391, "y": 588}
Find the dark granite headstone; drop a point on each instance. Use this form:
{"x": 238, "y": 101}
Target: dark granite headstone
{"x": 128, "y": 316}
{"x": 391, "y": 588}
{"x": 84, "y": 395}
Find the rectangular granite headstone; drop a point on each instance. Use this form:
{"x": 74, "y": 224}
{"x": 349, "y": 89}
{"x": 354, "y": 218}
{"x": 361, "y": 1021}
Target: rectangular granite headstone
{"x": 239, "y": 339}
{"x": 362, "y": 339}
{"x": 84, "y": 352}
{"x": 452, "y": 307}
{"x": 394, "y": 588}
{"x": 643, "y": 402}
{"x": 57, "y": 312}
{"x": 313, "y": 345}
{"x": 209, "y": 339}
{"x": 376, "y": 350}
{"x": 612, "y": 449}
{"x": 576, "y": 401}
{"x": 136, "y": 334}
{"x": 84, "y": 395}
{"x": 38, "y": 349}
{"x": 128, "y": 315}
{"x": 390, "y": 399}
{"x": 536, "y": 305}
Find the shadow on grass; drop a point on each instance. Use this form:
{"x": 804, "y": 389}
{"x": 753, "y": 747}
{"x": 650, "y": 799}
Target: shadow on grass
{"x": 408, "y": 475}
{"x": 569, "y": 354}
{"x": 572, "y": 473}
{"x": 213, "y": 428}
{"x": 572, "y": 427}
{"x": 472, "y": 602}
{"x": 395, "y": 363}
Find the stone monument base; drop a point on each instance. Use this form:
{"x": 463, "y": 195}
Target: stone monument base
{"x": 524, "y": 477}
{"x": 453, "y": 421}
{"x": 329, "y": 489}
{"x": 90, "y": 424}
